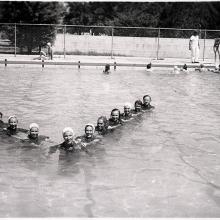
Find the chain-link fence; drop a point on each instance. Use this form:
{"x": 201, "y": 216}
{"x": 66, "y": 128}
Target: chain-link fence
{"x": 111, "y": 41}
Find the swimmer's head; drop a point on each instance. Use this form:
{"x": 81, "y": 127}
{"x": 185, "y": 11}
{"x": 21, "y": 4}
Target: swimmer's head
{"x": 137, "y": 105}
{"x": 185, "y": 67}
{"x": 201, "y": 65}
{"x": 48, "y": 44}
{"x": 13, "y": 122}
{"x": 175, "y": 68}
{"x": 102, "y": 122}
{"x": 107, "y": 67}
{"x": 149, "y": 66}
{"x": 68, "y": 135}
{"x": 34, "y": 130}
{"x": 115, "y": 114}
{"x": 127, "y": 108}
{"x": 89, "y": 130}
{"x": 146, "y": 99}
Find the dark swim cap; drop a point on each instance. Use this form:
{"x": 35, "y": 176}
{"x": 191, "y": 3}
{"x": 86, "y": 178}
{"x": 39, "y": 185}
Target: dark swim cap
{"x": 146, "y": 96}
{"x": 149, "y": 65}
{"x": 138, "y": 102}
{"x": 185, "y": 67}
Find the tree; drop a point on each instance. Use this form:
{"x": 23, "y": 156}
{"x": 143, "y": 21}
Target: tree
{"x": 31, "y": 36}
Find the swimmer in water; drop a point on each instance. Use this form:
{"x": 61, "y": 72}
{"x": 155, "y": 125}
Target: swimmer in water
{"x": 33, "y": 135}
{"x": 149, "y": 67}
{"x": 216, "y": 70}
{"x": 127, "y": 115}
{"x": 137, "y": 107}
{"x": 102, "y": 125}
{"x": 12, "y": 129}
{"x": 146, "y": 103}
{"x": 115, "y": 119}
{"x": 89, "y": 137}
{"x": 176, "y": 70}
{"x": 184, "y": 68}
{"x": 68, "y": 145}
{"x": 107, "y": 69}
{"x": 201, "y": 68}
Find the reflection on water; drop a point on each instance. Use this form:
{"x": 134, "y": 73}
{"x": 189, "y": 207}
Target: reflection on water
{"x": 163, "y": 164}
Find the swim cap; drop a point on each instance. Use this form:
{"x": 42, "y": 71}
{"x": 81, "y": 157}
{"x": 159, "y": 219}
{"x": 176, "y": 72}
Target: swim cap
{"x": 12, "y": 116}
{"x": 34, "y": 125}
{"x": 49, "y": 44}
{"x": 91, "y": 125}
{"x": 68, "y": 129}
{"x": 127, "y": 104}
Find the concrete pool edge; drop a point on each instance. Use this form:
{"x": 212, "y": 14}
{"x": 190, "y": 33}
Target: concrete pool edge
{"x": 79, "y": 63}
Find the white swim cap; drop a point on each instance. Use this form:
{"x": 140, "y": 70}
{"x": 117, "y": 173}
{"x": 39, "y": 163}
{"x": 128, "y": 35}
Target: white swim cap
{"x": 91, "y": 125}
{"x": 127, "y": 104}
{"x": 68, "y": 129}
{"x": 12, "y": 116}
{"x": 49, "y": 44}
{"x": 34, "y": 125}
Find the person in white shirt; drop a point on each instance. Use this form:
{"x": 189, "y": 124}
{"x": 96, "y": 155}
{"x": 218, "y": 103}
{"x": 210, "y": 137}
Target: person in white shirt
{"x": 194, "y": 47}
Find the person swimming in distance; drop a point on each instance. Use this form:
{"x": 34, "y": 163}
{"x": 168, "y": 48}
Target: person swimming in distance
{"x": 146, "y": 103}
{"x": 102, "y": 125}
{"x": 137, "y": 107}
{"x": 184, "y": 68}
{"x": 127, "y": 115}
{"x": 149, "y": 67}
{"x": 216, "y": 70}
{"x": 107, "y": 69}
{"x": 115, "y": 119}
{"x": 201, "y": 68}
{"x": 176, "y": 70}
{"x": 89, "y": 137}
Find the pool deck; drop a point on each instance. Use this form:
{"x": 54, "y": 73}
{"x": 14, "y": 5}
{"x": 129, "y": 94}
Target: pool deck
{"x": 102, "y": 60}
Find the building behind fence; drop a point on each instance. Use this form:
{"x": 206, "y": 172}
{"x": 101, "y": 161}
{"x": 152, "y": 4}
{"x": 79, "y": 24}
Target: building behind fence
{"x": 111, "y": 41}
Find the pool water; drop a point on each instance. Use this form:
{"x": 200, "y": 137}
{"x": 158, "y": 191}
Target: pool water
{"x": 165, "y": 163}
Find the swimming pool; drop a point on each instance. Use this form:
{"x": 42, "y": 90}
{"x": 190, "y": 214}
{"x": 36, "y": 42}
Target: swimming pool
{"x": 164, "y": 164}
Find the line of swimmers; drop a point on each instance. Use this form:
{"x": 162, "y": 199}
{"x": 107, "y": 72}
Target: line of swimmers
{"x": 92, "y": 133}
{"x": 185, "y": 69}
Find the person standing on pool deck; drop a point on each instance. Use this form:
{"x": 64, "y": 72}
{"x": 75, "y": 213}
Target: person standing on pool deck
{"x": 49, "y": 51}
{"x": 216, "y": 49}
{"x": 194, "y": 47}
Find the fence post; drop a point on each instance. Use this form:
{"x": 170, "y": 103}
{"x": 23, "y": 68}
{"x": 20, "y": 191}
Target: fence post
{"x": 204, "y": 46}
{"x": 158, "y": 43}
{"x": 64, "y": 41}
{"x": 15, "y": 39}
{"x": 112, "y": 53}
